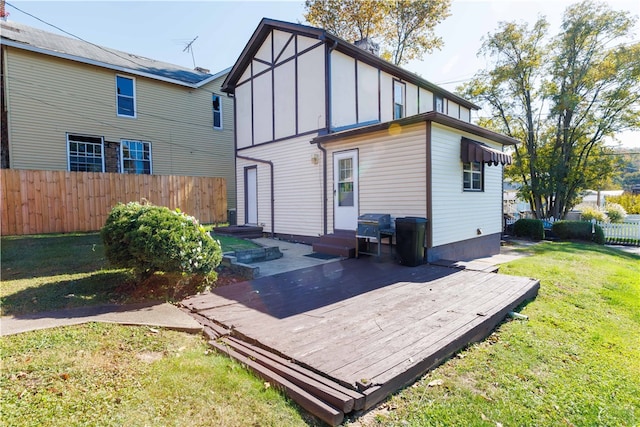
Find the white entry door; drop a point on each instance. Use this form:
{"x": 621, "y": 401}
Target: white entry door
{"x": 251, "y": 195}
{"x": 345, "y": 190}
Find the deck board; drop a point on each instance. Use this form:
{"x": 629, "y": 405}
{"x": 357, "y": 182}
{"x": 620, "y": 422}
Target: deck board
{"x": 369, "y": 326}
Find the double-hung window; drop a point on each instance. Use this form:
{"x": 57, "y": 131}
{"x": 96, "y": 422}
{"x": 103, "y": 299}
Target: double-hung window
{"x": 136, "y": 157}
{"x": 439, "y": 104}
{"x": 217, "y": 111}
{"x": 398, "y": 100}
{"x": 126, "y": 96}
{"x": 86, "y": 153}
{"x": 472, "y": 176}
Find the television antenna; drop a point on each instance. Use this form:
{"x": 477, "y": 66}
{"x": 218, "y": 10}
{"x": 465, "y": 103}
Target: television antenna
{"x": 189, "y": 47}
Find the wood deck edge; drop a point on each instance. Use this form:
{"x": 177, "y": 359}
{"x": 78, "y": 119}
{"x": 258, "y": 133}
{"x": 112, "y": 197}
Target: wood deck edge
{"x": 357, "y": 397}
{"x": 327, "y": 394}
{"x": 306, "y": 400}
{"x": 378, "y": 393}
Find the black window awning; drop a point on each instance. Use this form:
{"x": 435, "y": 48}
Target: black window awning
{"x": 474, "y": 151}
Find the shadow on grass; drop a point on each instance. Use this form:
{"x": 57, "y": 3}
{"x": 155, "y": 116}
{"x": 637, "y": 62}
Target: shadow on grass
{"x": 99, "y": 288}
{"x": 576, "y": 247}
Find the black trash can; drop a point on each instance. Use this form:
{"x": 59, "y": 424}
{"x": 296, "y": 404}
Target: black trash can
{"x": 410, "y": 232}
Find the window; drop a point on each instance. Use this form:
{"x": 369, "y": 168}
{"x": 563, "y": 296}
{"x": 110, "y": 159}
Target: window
{"x": 472, "y": 176}
{"x": 136, "y": 157}
{"x": 398, "y": 99}
{"x": 439, "y": 101}
{"x": 217, "y": 112}
{"x": 85, "y": 153}
{"x": 126, "y": 96}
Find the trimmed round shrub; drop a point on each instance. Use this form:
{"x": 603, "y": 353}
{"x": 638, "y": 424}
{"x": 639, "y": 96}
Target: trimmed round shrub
{"x": 615, "y": 212}
{"x": 148, "y": 238}
{"x": 590, "y": 213}
{"x": 578, "y": 230}
{"x": 532, "y": 228}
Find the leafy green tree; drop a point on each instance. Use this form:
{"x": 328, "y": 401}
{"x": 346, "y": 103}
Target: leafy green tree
{"x": 405, "y": 28}
{"x": 561, "y": 97}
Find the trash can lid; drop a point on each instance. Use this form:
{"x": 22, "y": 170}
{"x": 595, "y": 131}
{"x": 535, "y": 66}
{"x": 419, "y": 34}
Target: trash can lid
{"x": 412, "y": 219}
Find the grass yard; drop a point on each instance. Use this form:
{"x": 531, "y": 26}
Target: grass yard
{"x": 50, "y": 272}
{"x": 575, "y": 362}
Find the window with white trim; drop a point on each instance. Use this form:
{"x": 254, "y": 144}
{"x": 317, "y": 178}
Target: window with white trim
{"x": 136, "y": 157}
{"x": 439, "y": 104}
{"x": 217, "y": 111}
{"x": 125, "y": 96}
{"x": 472, "y": 176}
{"x": 86, "y": 153}
{"x": 398, "y": 100}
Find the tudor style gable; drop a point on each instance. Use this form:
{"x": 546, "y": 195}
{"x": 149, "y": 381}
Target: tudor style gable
{"x": 281, "y": 92}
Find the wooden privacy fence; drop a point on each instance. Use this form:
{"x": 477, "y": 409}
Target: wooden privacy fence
{"x": 37, "y": 201}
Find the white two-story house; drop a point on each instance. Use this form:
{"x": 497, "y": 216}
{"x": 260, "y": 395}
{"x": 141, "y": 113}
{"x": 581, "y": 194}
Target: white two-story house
{"x": 327, "y": 131}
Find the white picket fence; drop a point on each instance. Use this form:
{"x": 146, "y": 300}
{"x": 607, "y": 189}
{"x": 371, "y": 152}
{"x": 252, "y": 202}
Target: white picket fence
{"x": 623, "y": 233}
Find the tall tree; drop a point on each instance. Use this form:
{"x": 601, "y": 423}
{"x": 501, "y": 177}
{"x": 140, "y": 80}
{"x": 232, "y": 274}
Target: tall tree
{"x": 405, "y": 28}
{"x": 561, "y": 97}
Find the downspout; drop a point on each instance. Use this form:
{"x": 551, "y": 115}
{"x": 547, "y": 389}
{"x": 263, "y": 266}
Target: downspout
{"x": 325, "y": 194}
{"x": 270, "y": 163}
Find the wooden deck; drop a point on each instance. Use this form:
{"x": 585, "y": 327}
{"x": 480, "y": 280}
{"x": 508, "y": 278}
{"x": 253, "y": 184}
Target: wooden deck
{"x": 342, "y": 336}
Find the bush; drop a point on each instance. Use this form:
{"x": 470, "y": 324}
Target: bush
{"x": 148, "y": 238}
{"x": 532, "y": 228}
{"x": 590, "y": 213}
{"x": 615, "y": 212}
{"x": 578, "y": 230}
{"x": 630, "y": 202}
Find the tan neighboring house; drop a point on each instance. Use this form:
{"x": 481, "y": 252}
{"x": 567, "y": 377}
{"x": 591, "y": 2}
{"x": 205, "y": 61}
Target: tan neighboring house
{"x": 327, "y": 131}
{"x": 72, "y": 105}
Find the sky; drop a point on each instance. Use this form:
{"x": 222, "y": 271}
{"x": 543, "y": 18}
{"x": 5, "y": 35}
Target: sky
{"x": 219, "y": 30}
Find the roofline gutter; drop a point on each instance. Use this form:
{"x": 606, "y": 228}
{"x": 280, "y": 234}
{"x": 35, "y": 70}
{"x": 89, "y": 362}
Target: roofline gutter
{"x": 270, "y": 163}
{"x": 80, "y": 59}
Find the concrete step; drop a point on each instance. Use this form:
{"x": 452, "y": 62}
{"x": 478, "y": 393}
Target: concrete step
{"x": 347, "y": 239}
{"x": 333, "y": 249}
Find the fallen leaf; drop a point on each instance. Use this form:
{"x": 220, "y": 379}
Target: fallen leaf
{"x": 435, "y": 383}
{"x": 64, "y": 376}
{"x": 498, "y": 424}
{"x": 267, "y": 384}
{"x": 155, "y": 331}
{"x": 484, "y": 417}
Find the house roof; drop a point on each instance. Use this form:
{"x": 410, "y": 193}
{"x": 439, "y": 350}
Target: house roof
{"x": 266, "y": 25}
{"x": 22, "y": 36}
{"x": 431, "y": 116}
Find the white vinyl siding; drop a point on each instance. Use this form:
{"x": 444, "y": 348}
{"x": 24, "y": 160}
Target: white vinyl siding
{"x": 297, "y": 182}
{"x": 456, "y": 214}
{"x": 392, "y": 176}
{"x": 411, "y": 96}
{"x": 166, "y": 114}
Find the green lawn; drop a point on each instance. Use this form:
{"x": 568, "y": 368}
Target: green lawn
{"x": 50, "y": 272}
{"x": 576, "y": 361}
